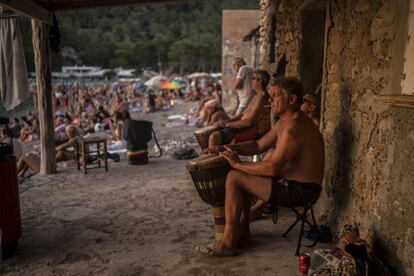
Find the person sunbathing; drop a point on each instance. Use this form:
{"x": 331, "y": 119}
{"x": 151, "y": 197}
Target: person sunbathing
{"x": 209, "y": 105}
{"x": 297, "y": 162}
{"x": 32, "y": 160}
{"x": 250, "y": 120}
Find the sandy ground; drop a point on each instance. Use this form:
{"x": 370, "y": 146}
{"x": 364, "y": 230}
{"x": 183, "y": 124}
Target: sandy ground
{"x": 135, "y": 220}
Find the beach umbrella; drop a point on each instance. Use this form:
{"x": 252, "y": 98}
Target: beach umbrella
{"x": 155, "y": 81}
{"x": 170, "y": 85}
{"x": 199, "y": 75}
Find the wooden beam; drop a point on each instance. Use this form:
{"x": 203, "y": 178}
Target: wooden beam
{"x": 44, "y": 96}
{"x": 29, "y": 9}
{"x": 82, "y": 4}
{"x": 395, "y": 100}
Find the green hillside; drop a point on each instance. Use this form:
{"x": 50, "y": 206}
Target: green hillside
{"x": 180, "y": 37}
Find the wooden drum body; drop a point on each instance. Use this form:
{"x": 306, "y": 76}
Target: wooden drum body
{"x": 209, "y": 176}
{"x": 202, "y": 135}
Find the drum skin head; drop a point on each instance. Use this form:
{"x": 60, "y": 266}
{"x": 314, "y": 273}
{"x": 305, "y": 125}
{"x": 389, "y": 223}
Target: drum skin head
{"x": 206, "y": 161}
{"x": 206, "y": 129}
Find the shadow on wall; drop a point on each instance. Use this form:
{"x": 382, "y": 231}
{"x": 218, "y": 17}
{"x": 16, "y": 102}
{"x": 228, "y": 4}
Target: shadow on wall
{"x": 383, "y": 250}
{"x": 344, "y": 142}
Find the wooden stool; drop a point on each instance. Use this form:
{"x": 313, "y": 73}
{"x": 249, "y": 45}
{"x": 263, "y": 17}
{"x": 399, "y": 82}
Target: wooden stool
{"x": 100, "y": 152}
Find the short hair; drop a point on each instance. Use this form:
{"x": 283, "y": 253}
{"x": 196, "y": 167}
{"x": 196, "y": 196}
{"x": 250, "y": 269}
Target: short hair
{"x": 240, "y": 59}
{"x": 291, "y": 85}
{"x": 264, "y": 77}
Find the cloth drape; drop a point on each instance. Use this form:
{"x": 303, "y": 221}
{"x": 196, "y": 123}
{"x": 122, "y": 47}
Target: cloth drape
{"x": 14, "y": 85}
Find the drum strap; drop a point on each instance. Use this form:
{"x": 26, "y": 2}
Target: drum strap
{"x": 158, "y": 146}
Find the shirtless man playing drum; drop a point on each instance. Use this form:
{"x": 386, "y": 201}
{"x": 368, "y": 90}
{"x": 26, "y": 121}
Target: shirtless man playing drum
{"x": 297, "y": 160}
{"x": 248, "y": 121}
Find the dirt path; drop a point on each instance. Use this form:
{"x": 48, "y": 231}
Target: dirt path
{"x": 135, "y": 220}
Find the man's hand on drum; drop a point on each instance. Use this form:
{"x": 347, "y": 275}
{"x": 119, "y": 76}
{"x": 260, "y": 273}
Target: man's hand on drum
{"x": 213, "y": 149}
{"x": 220, "y": 124}
{"x": 231, "y": 156}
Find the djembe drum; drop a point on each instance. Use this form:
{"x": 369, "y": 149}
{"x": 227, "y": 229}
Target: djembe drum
{"x": 209, "y": 176}
{"x": 203, "y": 134}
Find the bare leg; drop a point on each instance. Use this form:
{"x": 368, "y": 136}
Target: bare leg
{"x": 257, "y": 209}
{"x": 238, "y": 187}
{"x": 64, "y": 155}
{"x": 21, "y": 167}
{"x": 238, "y": 184}
{"x": 23, "y": 135}
{"x": 209, "y": 112}
{"x": 219, "y": 116}
{"x": 31, "y": 161}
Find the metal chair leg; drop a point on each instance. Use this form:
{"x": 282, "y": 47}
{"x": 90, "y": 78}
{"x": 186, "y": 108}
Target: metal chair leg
{"x": 314, "y": 227}
{"x": 291, "y": 227}
{"x": 300, "y": 238}
{"x": 303, "y": 218}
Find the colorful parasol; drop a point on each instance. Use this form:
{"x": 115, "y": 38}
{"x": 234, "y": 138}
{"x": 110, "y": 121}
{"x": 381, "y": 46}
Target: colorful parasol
{"x": 170, "y": 85}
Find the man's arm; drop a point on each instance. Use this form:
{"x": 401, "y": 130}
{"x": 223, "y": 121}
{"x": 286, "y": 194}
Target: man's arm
{"x": 66, "y": 145}
{"x": 251, "y": 118}
{"x": 235, "y": 118}
{"x": 239, "y": 84}
{"x": 254, "y": 147}
{"x": 287, "y": 147}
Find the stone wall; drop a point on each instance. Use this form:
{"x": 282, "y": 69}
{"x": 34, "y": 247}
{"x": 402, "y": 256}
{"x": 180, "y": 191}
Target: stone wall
{"x": 369, "y": 145}
{"x": 288, "y": 34}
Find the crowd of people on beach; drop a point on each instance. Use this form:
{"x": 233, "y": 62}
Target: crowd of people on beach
{"x": 82, "y": 110}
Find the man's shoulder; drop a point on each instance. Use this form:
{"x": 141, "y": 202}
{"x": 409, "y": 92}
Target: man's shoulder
{"x": 246, "y": 69}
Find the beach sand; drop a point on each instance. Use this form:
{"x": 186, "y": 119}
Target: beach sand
{"x": 136, "y": 220}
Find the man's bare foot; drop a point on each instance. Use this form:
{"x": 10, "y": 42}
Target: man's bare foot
{"x": 257, "y": 209}
{"x": 218, "y": 249}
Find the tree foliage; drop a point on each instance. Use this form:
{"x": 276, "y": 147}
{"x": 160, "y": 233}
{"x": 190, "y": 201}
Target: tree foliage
{"x": 180, "y": 37}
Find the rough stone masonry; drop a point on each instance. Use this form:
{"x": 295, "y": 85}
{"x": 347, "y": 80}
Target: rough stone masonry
{"x": 369, "y": 145}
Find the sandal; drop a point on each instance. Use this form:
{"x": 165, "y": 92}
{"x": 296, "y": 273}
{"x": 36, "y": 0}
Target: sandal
{"x": 218, "y": 249}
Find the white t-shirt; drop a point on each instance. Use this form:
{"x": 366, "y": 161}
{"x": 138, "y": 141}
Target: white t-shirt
{"x": 245, "y": 94}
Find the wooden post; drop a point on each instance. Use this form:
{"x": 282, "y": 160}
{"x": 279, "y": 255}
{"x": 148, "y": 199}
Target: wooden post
{"x": 40, "y": 39}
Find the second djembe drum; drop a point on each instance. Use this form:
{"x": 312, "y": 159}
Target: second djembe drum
{"x": 202, "y": 135}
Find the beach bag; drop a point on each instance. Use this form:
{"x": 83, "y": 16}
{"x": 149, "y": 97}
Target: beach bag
{"x": 137, "y": 134}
